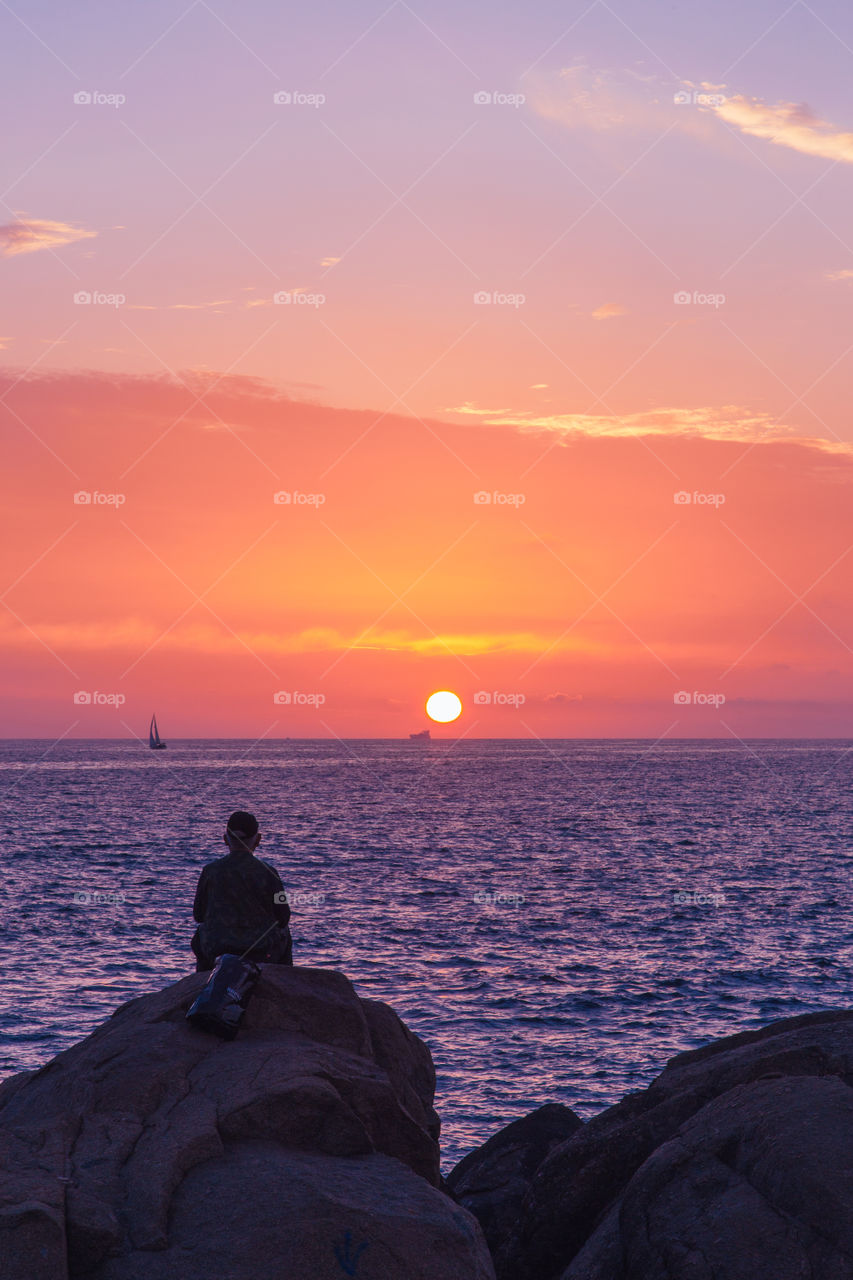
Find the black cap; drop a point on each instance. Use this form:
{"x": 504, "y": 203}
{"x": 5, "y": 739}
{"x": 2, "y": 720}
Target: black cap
{"x": 242, "y": 823}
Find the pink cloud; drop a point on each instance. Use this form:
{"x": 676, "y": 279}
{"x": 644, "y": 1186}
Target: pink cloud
{"x": 787, "y": 124}
{"x": 608, "y": 310}
{"x": 28, "y": 235}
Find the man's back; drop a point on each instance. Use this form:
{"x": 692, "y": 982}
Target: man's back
{"x": 240, "y": 903}
{"x": 236, "y": 901}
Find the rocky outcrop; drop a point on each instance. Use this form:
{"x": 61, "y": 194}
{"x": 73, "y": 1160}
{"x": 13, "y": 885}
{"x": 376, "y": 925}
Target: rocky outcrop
{"x": 734, "y": 1164}
{"x": 492, "y": 1181}
{"x": 758, "y": 1185}
{"x": 308, "y": 1147}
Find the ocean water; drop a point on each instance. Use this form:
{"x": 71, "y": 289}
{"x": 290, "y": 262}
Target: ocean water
{"x": 555, "y": 920}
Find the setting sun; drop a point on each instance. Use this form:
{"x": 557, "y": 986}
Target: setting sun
{"x": 443, "y": 706}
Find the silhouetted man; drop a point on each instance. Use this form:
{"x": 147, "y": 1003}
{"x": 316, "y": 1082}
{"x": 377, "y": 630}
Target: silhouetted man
{"x": 240, "y": 903}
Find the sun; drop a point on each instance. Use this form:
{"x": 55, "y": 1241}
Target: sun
{"x": 443, "y": 706}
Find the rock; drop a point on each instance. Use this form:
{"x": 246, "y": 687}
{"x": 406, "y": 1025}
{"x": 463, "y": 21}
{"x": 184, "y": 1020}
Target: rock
{"x": 492, "y": 1180}
{"x": 307, "y": 1147}
{"x": 758, "y": 1184}
{"x": 263, "y": 1211}
{"x": 572, "y": 1222}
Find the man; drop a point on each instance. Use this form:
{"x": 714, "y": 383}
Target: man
{"x": 240, "y": 903}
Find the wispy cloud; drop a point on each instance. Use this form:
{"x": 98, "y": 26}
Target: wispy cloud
{"x": 582, "y": 97}
{"x": 723, "y": 422}
{"x": 608, "y": 310}
{"x": 198, "y": 306}
{"x": 133, "y": 633}
{"x": 626, "y": 101}
{"x": 27, "y": 235}
{"x": 216, "y": 305}
{"x": 787, "y": 124}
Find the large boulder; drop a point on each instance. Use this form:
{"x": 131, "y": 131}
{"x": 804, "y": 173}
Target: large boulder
{"x": 307, "y": 1147}
{"x": 492, "y": 1180}
{"x": 582, "y": 1217}
{"x": 758, "y": 1184}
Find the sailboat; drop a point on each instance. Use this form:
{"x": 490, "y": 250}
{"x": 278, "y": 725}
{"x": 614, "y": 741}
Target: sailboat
{"x": 154, "y": 736}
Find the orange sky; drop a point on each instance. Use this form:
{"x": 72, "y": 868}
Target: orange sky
{"x": 597, "y": 597}
{"x": 390, "y": 261}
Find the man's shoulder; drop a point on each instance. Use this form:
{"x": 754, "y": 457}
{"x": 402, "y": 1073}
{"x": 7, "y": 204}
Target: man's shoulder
{"x": 213, "y": 864}
{"x": 268, "y": 866}
{"x": 228, "y": 865}
{"x": 218, "y": 867}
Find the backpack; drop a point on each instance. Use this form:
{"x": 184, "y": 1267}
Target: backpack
{"x": 221, "y": 1005}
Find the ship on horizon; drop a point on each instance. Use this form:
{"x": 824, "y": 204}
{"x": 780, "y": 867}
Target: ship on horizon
{"x": 423, "y": 735}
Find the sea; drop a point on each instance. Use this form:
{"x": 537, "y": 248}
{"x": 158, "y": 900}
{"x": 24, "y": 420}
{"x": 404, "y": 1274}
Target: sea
{"x": 555, "y": 919}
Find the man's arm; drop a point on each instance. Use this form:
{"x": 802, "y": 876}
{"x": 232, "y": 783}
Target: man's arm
{"x": 200, "y": 903}
{"x": 280, "y": 905}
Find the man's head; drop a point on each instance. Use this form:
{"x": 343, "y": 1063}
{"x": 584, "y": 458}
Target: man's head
{"x": 242, "y": 834}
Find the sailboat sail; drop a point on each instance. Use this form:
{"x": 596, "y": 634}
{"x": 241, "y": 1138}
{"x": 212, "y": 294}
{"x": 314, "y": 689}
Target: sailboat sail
{"x": 154, "y": 736}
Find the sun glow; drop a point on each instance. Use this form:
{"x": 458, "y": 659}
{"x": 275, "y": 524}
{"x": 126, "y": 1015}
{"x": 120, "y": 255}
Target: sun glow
{"x": 443, "y": 706}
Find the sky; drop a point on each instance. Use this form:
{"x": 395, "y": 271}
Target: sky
{"x": 357, "y": 351}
